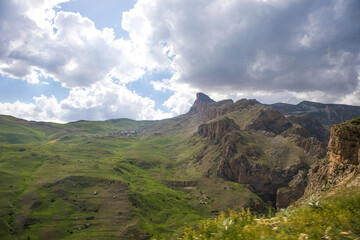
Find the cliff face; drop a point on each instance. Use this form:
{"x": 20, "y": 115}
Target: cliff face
{"x": 201, "y": 104}
{"x": 342, "y": 165}
{"x": 344, "y": 144}
{"x": 219, "y": 130}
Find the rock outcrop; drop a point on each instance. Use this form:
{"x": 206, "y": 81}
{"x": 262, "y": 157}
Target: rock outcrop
{"x": 344, "y": 144}
{"x": 181, "y": 183}
{"x": 219, "y": 130}
{"x": 342, "y": 165}
{"x": 270, "y": 120}
{"x": 201, "y": 104}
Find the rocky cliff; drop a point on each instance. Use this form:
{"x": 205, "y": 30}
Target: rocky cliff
{"x": 341, "y": 168}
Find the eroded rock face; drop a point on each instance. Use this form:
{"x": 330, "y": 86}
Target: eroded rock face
{"x": 216, "y": 131}
{"x": 269, "y": 120}
{"x": 344, "y": 145}
{"x": 343, "y": 161}
{"x": 235, "y": 166}
{"x": 264, "y": 181}
{"x": 201, "y": 104}
{"x": 258, "y": 176}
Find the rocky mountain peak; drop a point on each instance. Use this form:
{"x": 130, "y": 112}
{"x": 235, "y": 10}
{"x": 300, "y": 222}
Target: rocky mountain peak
{"x": 201, "y": 97}
{"x": 201, "y": 104}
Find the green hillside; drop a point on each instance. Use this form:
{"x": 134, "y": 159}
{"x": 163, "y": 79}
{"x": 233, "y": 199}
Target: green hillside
{"x": 90, "y": 180}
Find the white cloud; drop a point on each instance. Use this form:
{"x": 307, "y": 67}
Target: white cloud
{"x": 65, "y": 46}
{"x": 102, "y": 101}
{"x": 69, "y": 48}
{"x": 107, "y": 100}
{"x": 44, "y": 108}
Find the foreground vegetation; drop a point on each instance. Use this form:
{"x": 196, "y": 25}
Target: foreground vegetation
{"x": 336, "y": 217}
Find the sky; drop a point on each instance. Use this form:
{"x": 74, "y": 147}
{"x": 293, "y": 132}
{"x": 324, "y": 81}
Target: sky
{"x": 69, "y": 60}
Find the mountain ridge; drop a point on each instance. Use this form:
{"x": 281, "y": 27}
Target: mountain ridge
{"x": 217, "y": 156}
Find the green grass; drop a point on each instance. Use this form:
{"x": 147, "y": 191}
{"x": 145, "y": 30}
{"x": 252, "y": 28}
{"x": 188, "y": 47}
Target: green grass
{"x": 47, "y": 186}
{"x": 355, "y": 120}
{"x": 336, "y": 217}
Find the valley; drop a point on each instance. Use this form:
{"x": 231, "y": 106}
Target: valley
{"x": 125, "y": 179}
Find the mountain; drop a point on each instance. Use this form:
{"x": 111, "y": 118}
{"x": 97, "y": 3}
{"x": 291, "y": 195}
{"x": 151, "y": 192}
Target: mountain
{"x": 326, "y": 114}
{"x": 328, "y": 210}
{"x": 125, "y": 179}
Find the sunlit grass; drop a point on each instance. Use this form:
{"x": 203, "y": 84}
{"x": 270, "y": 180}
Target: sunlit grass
{"x": 336, "y": 217}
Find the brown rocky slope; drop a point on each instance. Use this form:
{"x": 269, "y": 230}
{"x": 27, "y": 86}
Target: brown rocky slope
{"x": 254, "y": 149}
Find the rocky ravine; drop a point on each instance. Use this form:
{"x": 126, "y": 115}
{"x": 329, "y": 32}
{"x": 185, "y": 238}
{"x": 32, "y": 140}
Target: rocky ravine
{"x": 248, "y": 164}
{"x": 235, "y": 166}
{"x": 280, "y": 185}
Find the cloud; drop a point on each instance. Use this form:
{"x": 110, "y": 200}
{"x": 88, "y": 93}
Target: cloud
{"x": 246, "y": 46}
{"x": 274, "y": 50}
{"x": 64, "y": 46}
{"x": 44, "y": 108}
{"x": 108, "y": 100}
{"x": 36, "y": 40}
{"x": 102, "y": 101}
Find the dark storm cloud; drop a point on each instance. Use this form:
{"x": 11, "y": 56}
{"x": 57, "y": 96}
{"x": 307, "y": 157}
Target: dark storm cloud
{"x": 274, "y": 45}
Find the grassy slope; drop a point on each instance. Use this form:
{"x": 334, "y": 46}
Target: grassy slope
{"x": 48, "y": 186}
